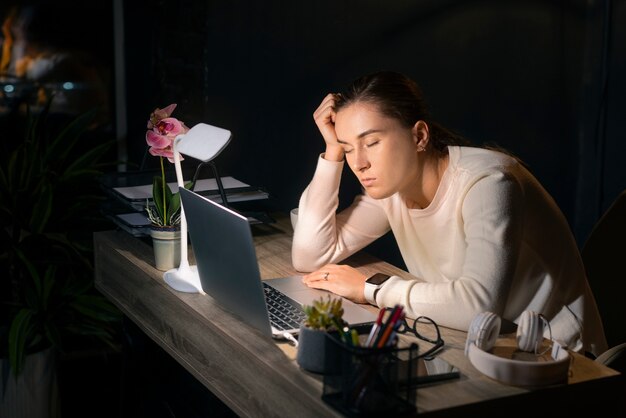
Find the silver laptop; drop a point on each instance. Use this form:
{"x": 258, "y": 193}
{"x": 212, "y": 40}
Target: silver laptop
{"x": 229, "y": 272}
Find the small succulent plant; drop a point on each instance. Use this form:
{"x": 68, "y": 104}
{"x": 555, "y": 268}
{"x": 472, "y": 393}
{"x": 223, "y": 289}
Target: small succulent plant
{"x": 325, "y": 314}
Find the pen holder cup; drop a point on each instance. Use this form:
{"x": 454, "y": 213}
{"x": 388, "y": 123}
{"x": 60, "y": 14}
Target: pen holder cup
{"x": 372, "y": 381}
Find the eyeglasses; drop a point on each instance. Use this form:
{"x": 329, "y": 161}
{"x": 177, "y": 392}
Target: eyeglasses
{"x": 430, "y": 334}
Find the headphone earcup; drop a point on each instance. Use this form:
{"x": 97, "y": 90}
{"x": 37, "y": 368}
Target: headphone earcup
{"x": 529, "y": 331}
{"x": 483, "y": 331}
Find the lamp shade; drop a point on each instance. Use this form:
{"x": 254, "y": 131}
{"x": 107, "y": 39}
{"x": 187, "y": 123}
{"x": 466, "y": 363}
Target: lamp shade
{"x": 203, "y": 142}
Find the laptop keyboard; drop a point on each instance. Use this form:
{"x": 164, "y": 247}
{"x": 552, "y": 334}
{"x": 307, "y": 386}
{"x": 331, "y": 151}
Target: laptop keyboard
{"x": 285, "y": 314}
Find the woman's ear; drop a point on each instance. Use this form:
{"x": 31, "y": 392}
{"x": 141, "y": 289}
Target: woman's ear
{"x": 420, "y": 135}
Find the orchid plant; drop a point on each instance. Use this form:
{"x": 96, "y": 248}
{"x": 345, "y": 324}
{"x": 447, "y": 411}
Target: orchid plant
{"x": 162, "y": 131}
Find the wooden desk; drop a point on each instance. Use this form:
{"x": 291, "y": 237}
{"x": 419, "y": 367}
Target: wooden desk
{"x": 256, "y": 376}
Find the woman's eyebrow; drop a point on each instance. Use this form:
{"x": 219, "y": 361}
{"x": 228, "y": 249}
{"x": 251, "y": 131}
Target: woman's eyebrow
{"x": 362, "y": 135}
{"x": 369, "y": 132}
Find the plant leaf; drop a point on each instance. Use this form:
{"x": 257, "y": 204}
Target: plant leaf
{"x": 20, "y": 329}
{"x": 65, "y": 141}
{"x": 53, "y": 334}
{"x": 174, "y": 205}
{"x": 42, "y": 209}
{"x": 83, "y": 165}
{"x": 157, "y": 197}
{"x": 96, "y": 307}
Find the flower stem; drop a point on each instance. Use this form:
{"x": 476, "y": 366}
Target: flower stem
{"x": 165, "y": 220}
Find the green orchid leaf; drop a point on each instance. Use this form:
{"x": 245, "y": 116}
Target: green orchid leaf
{"x": 168, "y": 193}
{"x": 174, "y": 204}
{"x": 157, "y": 197}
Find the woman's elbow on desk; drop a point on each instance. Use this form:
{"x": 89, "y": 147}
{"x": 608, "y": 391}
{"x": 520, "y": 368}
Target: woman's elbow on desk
{"x": 303, "y": 263}
{"x": 304, "y": 258}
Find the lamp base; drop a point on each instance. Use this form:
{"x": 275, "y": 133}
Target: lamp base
{"x": 184, "y": 280}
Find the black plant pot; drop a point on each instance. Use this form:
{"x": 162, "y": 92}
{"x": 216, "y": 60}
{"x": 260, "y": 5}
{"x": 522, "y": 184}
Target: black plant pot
{"x": 317, "y": 352}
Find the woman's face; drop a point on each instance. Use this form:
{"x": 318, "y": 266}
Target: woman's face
{"x": 381, "y": 152}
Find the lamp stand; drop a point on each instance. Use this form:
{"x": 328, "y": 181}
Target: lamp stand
{"x": 220, "y": 186}
{"x": 185, "y": 278}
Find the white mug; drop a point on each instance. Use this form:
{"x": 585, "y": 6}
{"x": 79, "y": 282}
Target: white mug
{"x": 294, "y": 217}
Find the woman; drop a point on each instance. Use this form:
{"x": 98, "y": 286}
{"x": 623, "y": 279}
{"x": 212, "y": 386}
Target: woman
{"x": 474, "y": 227}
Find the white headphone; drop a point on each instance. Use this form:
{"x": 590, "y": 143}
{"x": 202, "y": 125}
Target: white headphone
{"x": 482, "y": 335}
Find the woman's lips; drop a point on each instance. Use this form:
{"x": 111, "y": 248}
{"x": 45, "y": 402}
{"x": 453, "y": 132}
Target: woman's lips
{"x": 367, "y": 182}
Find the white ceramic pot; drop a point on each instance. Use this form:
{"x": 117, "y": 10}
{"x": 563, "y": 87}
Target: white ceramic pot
{"x": 166, "y": 244}
{"x": 34, "y": 394}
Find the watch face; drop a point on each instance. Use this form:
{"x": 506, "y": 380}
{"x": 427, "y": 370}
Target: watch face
{"x": 378, "y": 279}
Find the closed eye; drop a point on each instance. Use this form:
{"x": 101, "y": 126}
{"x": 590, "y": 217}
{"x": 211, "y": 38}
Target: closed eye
{"x": 371, "y": 144}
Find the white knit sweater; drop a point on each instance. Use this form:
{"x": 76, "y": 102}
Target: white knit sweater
{"x": 492, "y": 239}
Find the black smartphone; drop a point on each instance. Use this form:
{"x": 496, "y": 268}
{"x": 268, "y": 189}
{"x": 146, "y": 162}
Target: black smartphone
{"x": 434, "y": 369}
{"x": 427, "y": 370}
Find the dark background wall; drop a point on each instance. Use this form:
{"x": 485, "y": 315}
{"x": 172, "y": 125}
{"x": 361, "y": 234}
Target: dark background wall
{"x": 544, "y": 79}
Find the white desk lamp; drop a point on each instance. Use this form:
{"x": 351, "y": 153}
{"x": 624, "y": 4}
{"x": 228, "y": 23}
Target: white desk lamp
{"x": 202, "y": 142}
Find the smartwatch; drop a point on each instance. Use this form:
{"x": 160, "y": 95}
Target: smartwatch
{"x": 372, "y": 285}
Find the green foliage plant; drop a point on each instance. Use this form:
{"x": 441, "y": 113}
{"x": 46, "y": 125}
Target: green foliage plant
{"x": 49, "y": 208}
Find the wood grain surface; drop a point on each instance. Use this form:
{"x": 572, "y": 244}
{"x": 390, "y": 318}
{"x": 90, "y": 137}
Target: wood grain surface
{"x": 257, "y": 376}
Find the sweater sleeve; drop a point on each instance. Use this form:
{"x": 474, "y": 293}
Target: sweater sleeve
{"x": 491, "y": 218}
{"x": 323, "y": 236}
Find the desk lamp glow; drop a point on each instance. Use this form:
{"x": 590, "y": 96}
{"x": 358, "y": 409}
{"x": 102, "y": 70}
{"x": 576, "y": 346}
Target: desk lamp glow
{"x": 202, "y": 142}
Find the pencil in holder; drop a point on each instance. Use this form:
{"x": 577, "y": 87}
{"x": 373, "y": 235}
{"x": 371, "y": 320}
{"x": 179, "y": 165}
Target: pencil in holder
{"x": 372, "y": 381}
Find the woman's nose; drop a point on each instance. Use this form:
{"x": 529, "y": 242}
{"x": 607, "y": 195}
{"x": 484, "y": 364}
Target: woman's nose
{"x": 361, "y": 162}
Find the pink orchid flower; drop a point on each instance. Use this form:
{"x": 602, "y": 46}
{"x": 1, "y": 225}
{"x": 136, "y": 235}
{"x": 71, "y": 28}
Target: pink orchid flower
{"x": 161, "y": 137}
{"x": 160, "y": 114}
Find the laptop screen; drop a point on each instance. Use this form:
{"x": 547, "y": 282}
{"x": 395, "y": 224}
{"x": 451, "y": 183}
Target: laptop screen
{"x": 226, "y": 258}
